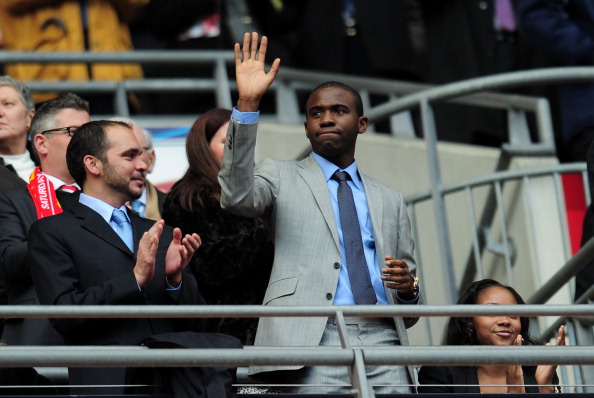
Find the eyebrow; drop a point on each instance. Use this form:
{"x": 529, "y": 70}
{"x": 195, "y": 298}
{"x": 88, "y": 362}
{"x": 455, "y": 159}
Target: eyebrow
{"x": 333, "y": 106}
{"x": 131, "y": 151}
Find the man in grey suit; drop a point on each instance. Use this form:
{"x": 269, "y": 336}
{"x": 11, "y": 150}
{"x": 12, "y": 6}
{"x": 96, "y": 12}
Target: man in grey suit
{"x": 300, "y": 202}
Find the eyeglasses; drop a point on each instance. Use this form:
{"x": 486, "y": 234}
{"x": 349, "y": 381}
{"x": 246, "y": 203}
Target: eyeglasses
{"x": 63, "y": 130}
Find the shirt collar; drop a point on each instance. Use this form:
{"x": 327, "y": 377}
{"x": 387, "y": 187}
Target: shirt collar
{"x": 142, "y": 198}
{"x": 105, "y": 210}
{"x": 57, "y": 183}
{"x": 328, "y": 168}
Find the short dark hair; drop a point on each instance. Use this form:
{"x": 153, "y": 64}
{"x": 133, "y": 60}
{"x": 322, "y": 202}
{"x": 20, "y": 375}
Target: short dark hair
{"x": 460, "y": 330}
{"x": 89, "y": 139}
{"x": 334, "y": 84}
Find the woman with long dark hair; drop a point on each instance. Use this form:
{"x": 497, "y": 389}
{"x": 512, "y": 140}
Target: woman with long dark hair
{"x": 489, "y": 330}
{"x": 234, "y": 262}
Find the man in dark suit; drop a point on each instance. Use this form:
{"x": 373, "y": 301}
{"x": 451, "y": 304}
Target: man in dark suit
{"x": 564, "y": 30}
{"x": 21, "y": 204}
{"x": 81, "y": 257}
{"x": 467, "y": 39}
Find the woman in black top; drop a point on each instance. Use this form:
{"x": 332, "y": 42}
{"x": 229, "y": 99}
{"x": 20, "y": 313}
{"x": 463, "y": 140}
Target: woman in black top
{"x": 233, "y": 264}
{"x": 489, "y": 330}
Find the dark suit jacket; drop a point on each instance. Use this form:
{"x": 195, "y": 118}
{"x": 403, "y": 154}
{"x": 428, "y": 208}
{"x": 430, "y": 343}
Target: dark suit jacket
{"x": 17, "y": 213}
{"x": 461, "y": 43}
{"x": 9, "y": 179}
{"x": 461, "y": 379}
{"x": 7, "y": 173}
{"x": 78, "y": 259}
{"x": 564, "y": 30}
{"x": 382, "y": 46}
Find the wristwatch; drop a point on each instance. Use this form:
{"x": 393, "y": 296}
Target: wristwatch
{"x": 411, "y": 295}
{"x": 415, "y": 286}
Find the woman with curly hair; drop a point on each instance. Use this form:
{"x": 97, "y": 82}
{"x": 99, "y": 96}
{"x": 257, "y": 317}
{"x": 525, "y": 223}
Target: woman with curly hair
{"x": 489, "y": 330}
{"x": 234, "y": 262}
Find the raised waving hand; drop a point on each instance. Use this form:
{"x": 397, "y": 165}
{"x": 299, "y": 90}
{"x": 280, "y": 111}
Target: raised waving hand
{"x": 252, "y": 79}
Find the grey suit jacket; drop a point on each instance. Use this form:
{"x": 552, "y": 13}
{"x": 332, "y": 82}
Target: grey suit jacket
{"x": 293, "y": 198}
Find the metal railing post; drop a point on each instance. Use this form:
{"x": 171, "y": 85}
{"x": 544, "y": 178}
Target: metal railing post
{"x": 441, "y": 220}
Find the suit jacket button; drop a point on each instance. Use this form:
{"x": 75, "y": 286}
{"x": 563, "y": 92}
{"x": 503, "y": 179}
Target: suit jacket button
{"x": 329, "y": 296}
{"x": 336, "y": 265}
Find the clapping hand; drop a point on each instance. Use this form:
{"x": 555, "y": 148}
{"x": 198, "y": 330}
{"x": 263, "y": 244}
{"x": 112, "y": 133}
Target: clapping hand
{"x": 545, "y": 373}
{"x": 179, "y": 254}
{"x": 144, "y": 270}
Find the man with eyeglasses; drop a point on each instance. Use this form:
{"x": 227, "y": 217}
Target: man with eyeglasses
{"x": 50, "y": 189}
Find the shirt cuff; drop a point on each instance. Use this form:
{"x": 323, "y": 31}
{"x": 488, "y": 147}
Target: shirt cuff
{"x": 169, "y": 287}
{"x": 244, "y": 117}
{"x": 413, "y": 301}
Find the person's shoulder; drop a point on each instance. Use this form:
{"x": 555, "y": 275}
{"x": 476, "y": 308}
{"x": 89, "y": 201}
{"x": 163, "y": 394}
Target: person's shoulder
{"x": 370, "y": 180}
{"x": 14, "y": 192}
{"x": 59, "y": 223}
{"x": 9, "y": 179}
{"x": 452, "y": 374}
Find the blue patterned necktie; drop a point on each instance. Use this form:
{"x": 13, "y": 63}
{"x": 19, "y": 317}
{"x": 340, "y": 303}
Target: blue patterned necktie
{"x": 356, "y": 264}
{"x": 123, "y": 228}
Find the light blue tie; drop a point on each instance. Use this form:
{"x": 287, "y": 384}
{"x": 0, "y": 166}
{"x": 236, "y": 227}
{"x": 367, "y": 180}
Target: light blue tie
{"x": 123, "y": 228}
{"x": 138, "y": 207}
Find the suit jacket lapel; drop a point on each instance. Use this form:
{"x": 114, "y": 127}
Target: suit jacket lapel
{"x": 138, "y": 227}
{"x": 95, "y": 224}
{"x": 314, "y": 178}
{"x": 375, "y": 204}
{"x": 376, "y": 212}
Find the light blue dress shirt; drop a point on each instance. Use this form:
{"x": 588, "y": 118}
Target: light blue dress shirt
{"x": 344, "y": 294}
{"x": 105, "y": 210}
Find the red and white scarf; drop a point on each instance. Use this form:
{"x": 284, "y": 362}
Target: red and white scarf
{"x": 44, "y": 196}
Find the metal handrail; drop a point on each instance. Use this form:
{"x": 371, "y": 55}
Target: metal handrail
{"x": 355, "y": 358}
{"x": 251, "y": 311}
{"x": 83, "y": 356}
{"x": 136, "y": 56}
{"x": 500, "y": 176}
{"x": 499, "y": 81}
{"x": 288, "y": 82}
